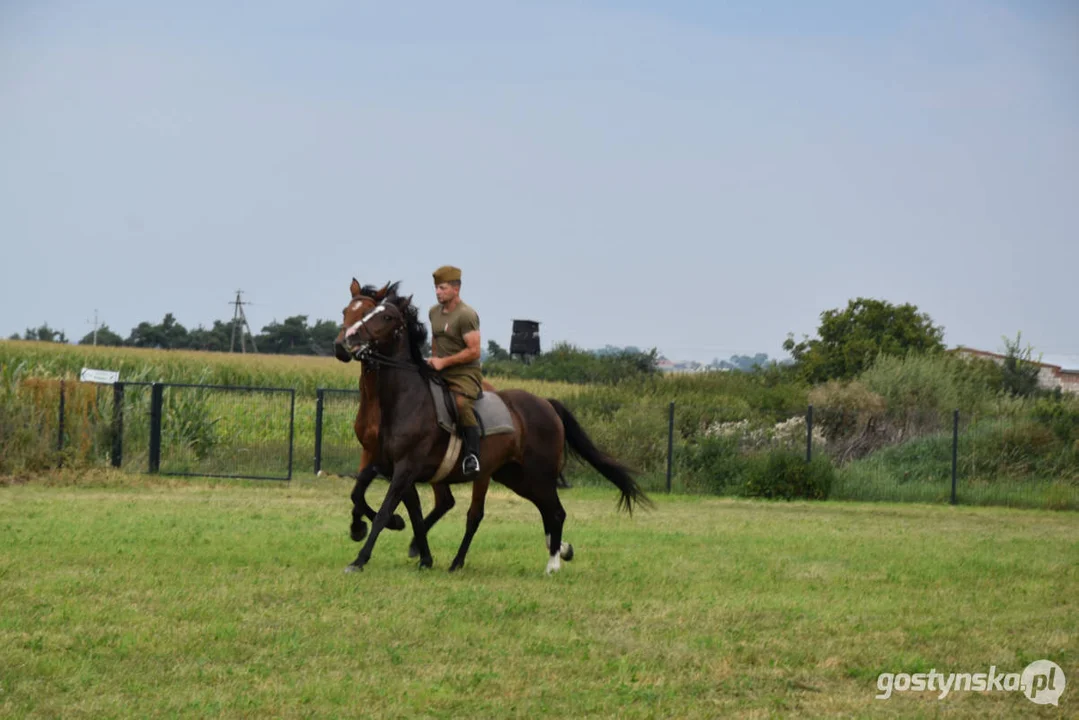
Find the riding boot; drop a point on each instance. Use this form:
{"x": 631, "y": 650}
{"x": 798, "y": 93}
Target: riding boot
{"x": 470, "y": 464}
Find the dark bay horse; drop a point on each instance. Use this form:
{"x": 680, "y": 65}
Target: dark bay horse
{"x": 364, "y": 299}
{"x": 411, "y": 445}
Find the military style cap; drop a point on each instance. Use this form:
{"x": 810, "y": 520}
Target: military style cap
{"x": 447, "y": 273}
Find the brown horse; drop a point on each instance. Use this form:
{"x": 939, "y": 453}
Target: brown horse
{"x": 364, "y": 299}
{"x": 411, "y": 444}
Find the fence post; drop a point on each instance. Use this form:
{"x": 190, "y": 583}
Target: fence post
{"x": 291, "y": 430}
{"x": 318, "y": 430}
{"x": 670, "y": 445}
{"x": 809, "y": 433}
{"x": 117, "y": 424}
{"x": 156, "y": 401}
{"x": 955, "y": 451}
{"x": 60, "y": 433}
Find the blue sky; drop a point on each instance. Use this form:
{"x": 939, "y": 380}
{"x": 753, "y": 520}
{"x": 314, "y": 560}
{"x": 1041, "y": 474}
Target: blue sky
{"x": 699, "y": 177}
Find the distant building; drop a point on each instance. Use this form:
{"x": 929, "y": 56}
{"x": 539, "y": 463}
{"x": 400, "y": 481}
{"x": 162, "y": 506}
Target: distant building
{"x": 1050, "y": 377}
{"x": 686, "y": 366}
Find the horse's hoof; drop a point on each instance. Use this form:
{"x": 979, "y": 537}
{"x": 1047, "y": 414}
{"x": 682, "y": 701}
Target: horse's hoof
{"x": 568, "y": 554}
{"x": 426, "y": 564}
{"x": 412, "y": 551}
{"x": 456, "y": 566}
{"x": 358, "y": 531}
{"x": 396, "y": 523}
{"x": 353, "y": 568}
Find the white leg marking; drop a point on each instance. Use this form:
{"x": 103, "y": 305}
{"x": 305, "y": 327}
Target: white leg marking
{"x": 554, "y": 564}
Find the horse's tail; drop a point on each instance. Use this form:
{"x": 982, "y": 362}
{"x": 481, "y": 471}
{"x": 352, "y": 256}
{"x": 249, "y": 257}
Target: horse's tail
{"x": 583, "y": 447}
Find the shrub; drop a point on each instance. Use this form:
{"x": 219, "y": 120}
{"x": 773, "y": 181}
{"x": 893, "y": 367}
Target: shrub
{"x": 933, "y": 383}
{"x": 567, "y": 363}
{"x": 786, "y": 474}
{"x": 996, "y": 450}
{"x": 714, "y": 463}
{"x": 1024, "y": 444}
{"x": 1058, "y": 414}
{"x": 844, "y": 410}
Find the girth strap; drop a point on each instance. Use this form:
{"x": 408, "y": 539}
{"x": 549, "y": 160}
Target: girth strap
{"x": 450, "y": 458}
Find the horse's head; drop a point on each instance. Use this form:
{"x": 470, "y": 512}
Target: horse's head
{"x": 364, "y": 300}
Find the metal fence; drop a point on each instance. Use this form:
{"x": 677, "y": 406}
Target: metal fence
{"x": 180, "y": 429}
{"x": 222, "y": 431}
{"x": 914, "y": 456}
{"x": 247, "y": 432}
{"x": 337, "y": 450}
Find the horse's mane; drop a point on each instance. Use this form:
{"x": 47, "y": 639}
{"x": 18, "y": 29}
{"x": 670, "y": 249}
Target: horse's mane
{"x": 415, "y": 330}
{"x": 372, "y": 290}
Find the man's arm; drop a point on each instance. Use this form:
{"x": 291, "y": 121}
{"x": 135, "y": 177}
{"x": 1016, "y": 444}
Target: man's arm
{"x": 469, "y": 354}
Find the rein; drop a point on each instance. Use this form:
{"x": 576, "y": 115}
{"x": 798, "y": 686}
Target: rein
{"x": 377, "y": 360}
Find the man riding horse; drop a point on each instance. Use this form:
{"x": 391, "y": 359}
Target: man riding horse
{"x": 455, "y": 354}
{"x": 525, "y": 455}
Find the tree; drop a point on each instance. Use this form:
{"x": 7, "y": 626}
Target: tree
{"x": 45, "y": 334}
{"x": 850, "y": 339}
{"x": 214, "y": 339}
{"x": 143, "y": 335}
{"x": 745, "y": 363}
{"x": 291, "y": 337}
{"x": 1019, "y": 373}
{"x": 495, "y": 352}
{"x": 105, "y": 336}
{"x": 169, "y": 334}
{"x": 323, "y": 335}
{"x": 173, "y": 333}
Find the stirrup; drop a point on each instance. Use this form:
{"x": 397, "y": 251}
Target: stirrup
{"x": 470, "y": 465}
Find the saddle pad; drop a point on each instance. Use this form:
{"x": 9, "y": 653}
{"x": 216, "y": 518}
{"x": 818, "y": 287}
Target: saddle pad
{"x": 491, "y": 411}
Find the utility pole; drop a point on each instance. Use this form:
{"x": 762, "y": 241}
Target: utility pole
{"x": 95, "y": 327}
{"x": 240, "y": 319}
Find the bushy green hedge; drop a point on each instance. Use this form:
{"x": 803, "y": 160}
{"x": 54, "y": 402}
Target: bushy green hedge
{"x": 713, "y": 465}
{"x": 786, "y": 474}
{"x": 566, "y": 363}
{"x": 1060, "y": 414}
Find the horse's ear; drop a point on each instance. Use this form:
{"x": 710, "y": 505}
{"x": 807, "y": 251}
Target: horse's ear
{"x": 381, "y": 294}
{"x": 355, "y": 287}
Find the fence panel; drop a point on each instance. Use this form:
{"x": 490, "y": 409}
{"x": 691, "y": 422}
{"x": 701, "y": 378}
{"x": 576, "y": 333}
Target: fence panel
{"x": 132, "y": 425}
{"x": 219, "y": 431}
{"x": 337, "y": 451}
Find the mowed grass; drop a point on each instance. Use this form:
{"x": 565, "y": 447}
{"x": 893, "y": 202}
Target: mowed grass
{"x": 139, "y": 597}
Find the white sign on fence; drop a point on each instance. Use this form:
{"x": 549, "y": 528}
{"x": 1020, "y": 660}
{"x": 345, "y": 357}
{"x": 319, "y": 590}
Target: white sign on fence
{"x": 99, "y": 376}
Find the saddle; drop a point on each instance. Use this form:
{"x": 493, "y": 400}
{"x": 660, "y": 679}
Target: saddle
{"x": 491, "y": 413}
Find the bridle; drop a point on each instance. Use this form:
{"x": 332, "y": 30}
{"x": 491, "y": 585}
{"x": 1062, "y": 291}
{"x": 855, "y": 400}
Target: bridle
{"x": 367, "y": 355}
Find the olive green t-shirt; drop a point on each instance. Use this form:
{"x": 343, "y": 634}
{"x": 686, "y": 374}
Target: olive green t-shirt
{"x": 448, "y": 330}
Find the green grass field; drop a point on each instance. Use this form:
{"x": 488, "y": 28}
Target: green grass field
{"x": 130, "y": 596}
